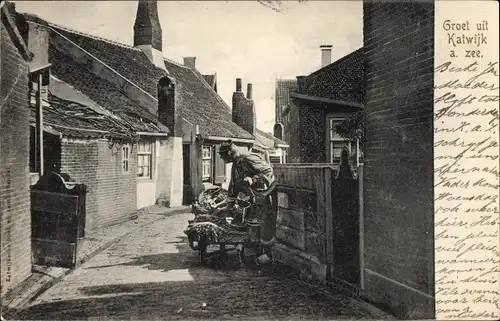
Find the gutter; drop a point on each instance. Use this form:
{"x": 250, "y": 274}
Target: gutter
{"x": 326, "y": 100}
{"x": 236, "y": 140}
{"x": 152, "y": 134}
{"x": 282, "y": 146}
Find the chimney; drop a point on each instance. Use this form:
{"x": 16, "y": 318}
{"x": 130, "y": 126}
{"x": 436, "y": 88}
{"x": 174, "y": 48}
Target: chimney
{"x": 168, "y": 113}
{"x": 326, "y": 55}
{"x": 300, "y": 84}
{"x": 238, "y": 84}
{"x": 148, "y": 33}
{"x": 278, "y": 130}
{"x": 244, "y": 108}
{"x": 190, "y": 62}
{"x": 249, "y": 91}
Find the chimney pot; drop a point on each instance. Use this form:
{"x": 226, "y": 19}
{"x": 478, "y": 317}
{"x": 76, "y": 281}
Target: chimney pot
{"x": 190, "y": 62}
{"x": 326, "y": 55}
{"x": 249, "y": 91}
{"x": 238, "y": 84}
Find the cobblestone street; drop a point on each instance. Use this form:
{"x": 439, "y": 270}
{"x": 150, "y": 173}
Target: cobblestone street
{"x": 153, "y": 274}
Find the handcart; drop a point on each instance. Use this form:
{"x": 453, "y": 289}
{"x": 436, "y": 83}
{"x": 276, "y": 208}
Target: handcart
{"x": 216, "y": 222}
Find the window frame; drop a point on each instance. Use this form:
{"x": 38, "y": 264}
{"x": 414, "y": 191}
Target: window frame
{"x": 125, "y": 158}
{"x": 336, "y": 139}
{"x": 207, "y": 156}
{"x": 149, "y": 155}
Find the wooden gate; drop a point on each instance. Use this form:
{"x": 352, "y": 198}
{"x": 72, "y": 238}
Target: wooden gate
{"x": 58, "y": 220}
{"x": 346, "y": 237}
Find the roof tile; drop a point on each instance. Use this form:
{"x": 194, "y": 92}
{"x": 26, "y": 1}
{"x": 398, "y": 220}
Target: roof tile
{"x": 201, "y": 105}
{"x": 341, "y": 80}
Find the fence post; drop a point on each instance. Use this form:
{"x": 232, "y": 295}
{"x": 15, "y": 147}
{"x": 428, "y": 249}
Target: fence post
{"x": 361, "y": 226}
{"x": 329, "y": 220}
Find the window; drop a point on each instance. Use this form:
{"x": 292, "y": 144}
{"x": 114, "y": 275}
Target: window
{"x": 337, "y": 142}
{"x": 275, "y": 159}
{"x": 125, "y": 158}
{"x": 145, "y": 159}
{"x": 207, "y": 163}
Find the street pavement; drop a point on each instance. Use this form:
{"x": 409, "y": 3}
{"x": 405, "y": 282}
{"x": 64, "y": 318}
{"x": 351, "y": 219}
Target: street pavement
{"x": 153, "y": 274}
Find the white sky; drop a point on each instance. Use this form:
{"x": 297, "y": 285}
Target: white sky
{"x": 236, "y": 39}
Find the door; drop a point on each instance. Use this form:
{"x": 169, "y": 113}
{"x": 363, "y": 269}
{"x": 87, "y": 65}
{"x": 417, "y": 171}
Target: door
{"x": 57, "y": 221}
{"x": 345, "y": 203}
{"x": 187, "y": 195}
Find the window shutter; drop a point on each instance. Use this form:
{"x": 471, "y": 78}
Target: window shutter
{"x": 220, "y": 167}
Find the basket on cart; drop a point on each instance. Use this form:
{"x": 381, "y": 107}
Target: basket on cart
{"x": 217, "y": 223}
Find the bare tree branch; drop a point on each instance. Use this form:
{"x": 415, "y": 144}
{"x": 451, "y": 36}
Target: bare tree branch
{"x": 275, "y": 5}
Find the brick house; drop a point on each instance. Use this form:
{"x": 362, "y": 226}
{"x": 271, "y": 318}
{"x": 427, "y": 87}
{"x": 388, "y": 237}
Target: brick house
{"x": 320, "y": 102}
{"x": 399, "y": 195}
{"x": 92, "y": 131}
{"x": 144, "y": 84}
{"x": 15, "y": 217}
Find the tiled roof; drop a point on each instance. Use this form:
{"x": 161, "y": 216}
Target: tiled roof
{"x": 201, "y": 105}
{"x": 76, "y": 120}
{"x": 267, "y": 140}
{"x": 341, "y": 80}
{"x": 103, "y": 93}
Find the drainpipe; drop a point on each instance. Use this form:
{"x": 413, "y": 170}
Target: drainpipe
{"x": 39, "y": 122}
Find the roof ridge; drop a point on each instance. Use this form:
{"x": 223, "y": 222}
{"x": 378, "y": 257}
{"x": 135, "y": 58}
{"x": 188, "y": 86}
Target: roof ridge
{"x": 269, "y": 135}
{"x": 86, "y": 34}
{"x": 175, "y": 63}
{"x": 341, "y": 59}
{"x": 106, "y": 65}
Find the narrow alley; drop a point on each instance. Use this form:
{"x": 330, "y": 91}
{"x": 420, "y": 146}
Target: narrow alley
{"x": 153, "y": 274}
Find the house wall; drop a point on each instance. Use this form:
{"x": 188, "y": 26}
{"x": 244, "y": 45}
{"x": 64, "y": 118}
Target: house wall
{"x": 312, "y": 134}
{"x": 157, "y": 189}
{"x": 305, "y": 133}
{"x": 15, "y": 219}
{"x": 146, "y": 187}
{"x": 399, "y": 51}
{"x": 278, "y": 152}
{"x": 162, "y": 183}
{"x": 291, "y": 133}
{"x": 111, "y": 194}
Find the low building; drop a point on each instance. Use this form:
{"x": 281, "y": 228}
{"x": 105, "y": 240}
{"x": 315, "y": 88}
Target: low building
{"x": 94, "y": 131}
{"x": 15, "y": 216}
{"x": 322, "y": 100}
{"x": 272, "y": 147}
{"x": 137, "y": 81}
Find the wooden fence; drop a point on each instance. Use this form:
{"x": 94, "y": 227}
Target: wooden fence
{"x": 318, "y": 221}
